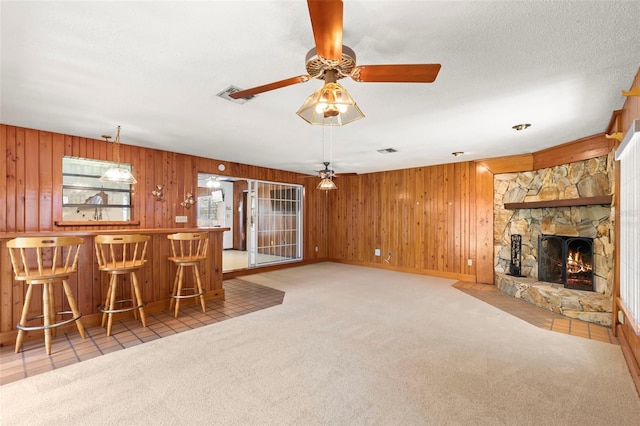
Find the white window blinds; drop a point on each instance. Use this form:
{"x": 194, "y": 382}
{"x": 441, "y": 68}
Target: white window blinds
{"x": 628, "y": 153}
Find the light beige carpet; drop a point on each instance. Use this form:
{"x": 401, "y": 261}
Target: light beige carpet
{"x": 349, "y": 346}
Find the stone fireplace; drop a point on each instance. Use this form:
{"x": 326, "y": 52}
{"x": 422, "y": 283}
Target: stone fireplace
{"x": 565, "y": 209}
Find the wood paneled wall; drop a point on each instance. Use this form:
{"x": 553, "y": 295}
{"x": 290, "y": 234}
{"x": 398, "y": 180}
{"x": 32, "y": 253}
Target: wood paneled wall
{"x": 428, "y": 218}
{"x": 31, "y": 183}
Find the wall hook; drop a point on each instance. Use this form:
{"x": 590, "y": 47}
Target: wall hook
{"x": 617, "y": 136}
{"x": 635, "y": 91}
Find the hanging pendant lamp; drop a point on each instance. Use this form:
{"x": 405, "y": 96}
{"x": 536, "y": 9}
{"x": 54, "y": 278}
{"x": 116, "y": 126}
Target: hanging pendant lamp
{"x": 118, "y": 174}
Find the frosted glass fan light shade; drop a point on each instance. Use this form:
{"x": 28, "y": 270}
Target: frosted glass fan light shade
{"x": 326, "y": 184}
{"x": 330, "y": 105}
{"x": 119, "y": 175}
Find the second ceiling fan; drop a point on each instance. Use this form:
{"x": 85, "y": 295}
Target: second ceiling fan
{"x": 330, "y": 61}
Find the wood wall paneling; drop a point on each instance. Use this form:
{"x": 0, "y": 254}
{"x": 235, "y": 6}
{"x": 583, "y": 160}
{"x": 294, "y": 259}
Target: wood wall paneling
{"x": 423, "y": 216}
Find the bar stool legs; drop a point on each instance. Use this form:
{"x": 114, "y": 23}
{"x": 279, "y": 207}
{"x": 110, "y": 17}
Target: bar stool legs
{"x": 111, "y": 301}
{"x": 178, "y": 289}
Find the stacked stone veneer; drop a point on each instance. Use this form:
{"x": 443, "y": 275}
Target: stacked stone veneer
{"x": 587, "y": 178}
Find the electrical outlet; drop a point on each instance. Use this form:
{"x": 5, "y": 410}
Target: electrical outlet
{"x": 181, "y": 219}
{"x": 469, "y": 262}
{"x": 316, "y": 248}
{"x": 377, "y": 252}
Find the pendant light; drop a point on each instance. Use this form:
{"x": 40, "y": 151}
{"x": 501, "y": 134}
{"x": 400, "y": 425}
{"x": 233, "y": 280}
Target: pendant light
{"x": 327, "y": 183}
{"x": 117, "y": 174}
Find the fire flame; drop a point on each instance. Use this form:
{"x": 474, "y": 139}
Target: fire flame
{"x": 575, "y": 264}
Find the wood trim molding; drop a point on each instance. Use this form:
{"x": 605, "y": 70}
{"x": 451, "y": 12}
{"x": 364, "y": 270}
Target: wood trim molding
{"x": 578, "y": 150}
{"x": 98, "y": 223}
{"x": 513, "y": 163}
{"x": 583, "y": 201}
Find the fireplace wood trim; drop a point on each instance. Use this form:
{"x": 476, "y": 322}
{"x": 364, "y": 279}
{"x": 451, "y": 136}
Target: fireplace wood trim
{"x": 583, "y": 201}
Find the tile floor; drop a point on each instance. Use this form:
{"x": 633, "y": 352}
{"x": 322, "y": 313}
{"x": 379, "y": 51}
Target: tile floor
{"x": 242, "y": 297}
{"x": 535, "y": 315}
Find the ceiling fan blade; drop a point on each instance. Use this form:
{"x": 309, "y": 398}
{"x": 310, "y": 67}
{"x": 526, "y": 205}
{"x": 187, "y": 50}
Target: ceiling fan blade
{"x": 247, "y": 93}
{"x": 326, "y": 21}
{"x": 411, "y": 73}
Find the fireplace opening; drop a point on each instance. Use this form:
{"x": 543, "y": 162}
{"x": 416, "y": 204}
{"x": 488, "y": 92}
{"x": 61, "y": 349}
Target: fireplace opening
{"x": 567, "y": 261}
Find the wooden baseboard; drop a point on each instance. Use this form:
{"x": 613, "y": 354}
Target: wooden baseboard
{"x": 250, "y": 271}
{"x": 429, "y": 272}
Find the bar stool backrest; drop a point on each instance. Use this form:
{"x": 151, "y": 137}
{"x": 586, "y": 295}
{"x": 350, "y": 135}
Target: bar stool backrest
{"x": 120, "y": 252}
{"x": 44, "y": 258}
{"x": 189, "y": 245}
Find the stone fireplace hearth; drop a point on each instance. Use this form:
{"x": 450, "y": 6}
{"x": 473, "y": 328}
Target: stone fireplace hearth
{"x": 577, "y": 181}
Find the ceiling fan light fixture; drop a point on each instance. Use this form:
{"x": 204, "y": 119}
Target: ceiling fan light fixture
{"x": 330, "y": 105}
{"x": 117, "y": 174}
{"x": 326, "y": 184}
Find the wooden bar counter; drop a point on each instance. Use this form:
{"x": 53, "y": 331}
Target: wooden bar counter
{"x": 89, "y": 284}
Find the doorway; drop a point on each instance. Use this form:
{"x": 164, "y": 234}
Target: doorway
{"x": 265, "y": 219}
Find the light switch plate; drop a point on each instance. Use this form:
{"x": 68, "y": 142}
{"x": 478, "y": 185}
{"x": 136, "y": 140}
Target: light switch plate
{"x": 181, "y": 219}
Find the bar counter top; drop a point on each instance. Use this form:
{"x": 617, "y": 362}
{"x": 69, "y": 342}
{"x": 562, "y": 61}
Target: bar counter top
{"x": 92, "y": 232}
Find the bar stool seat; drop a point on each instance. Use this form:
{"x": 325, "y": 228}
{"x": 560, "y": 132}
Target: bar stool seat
{"x": 121, "y": 255}
{"x": 45, "y": 261}
{"x": 187, "y": 251}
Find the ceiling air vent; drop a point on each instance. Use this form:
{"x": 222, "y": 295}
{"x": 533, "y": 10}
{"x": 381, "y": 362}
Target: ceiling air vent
{"x": 387, "y": 151}
{"x": 232, "y": 89}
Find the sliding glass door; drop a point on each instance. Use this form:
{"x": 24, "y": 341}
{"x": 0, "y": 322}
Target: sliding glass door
{"x": 274, "y": 223}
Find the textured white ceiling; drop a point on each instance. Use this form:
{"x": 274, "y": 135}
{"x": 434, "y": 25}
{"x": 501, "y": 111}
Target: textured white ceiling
{"x": 154, "y": 67}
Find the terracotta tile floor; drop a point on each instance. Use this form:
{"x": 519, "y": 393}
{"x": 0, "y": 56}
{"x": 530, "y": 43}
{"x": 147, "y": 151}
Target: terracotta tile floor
{"x": 242, "y": 297}
{"x": 535, "y": 315}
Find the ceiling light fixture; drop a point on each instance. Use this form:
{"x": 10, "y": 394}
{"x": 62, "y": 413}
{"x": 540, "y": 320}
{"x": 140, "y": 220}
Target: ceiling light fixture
{"x": 326, "y": 176}
{"x": 117, "y": 174}
{"x": 519, "y": 127}
{"x": 213, "y": 182}
{"x": 330, "y": 105}
{"x": 326, "y": 184}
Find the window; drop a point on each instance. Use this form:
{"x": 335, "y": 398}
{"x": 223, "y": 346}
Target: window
{"x": 629, "y": 155}
{"x": 87, "y": 199}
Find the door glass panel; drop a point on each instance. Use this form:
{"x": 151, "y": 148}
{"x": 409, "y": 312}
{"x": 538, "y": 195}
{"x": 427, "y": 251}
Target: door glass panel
{"x": 277, "y": 224}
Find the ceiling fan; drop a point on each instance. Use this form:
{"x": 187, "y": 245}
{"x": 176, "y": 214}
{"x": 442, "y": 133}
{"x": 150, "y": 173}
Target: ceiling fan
{"x": 326, "y": 173}
{"x": 329, "y": 60}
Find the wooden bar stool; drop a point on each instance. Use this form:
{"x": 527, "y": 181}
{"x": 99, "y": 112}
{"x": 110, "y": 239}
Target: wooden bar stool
{"x": 187, "y": 250}
{"x": 45, "y": 261}
{"x": 121, "y": 255}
